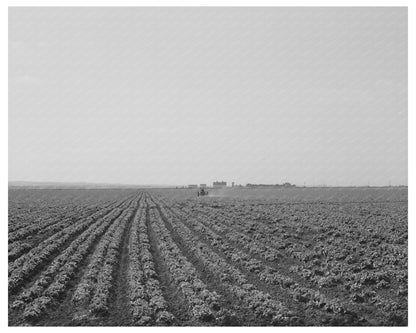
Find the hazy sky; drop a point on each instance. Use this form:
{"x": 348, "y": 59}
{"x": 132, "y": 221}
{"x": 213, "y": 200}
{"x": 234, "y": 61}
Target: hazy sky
{"x": 193, "y": 95}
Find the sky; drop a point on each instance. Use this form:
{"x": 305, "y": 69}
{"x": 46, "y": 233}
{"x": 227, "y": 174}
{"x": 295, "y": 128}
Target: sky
{"x": 192, "y": 95}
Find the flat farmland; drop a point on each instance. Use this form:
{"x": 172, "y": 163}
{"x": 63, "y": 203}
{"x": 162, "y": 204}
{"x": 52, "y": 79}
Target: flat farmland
{"x": 240, "y": 257}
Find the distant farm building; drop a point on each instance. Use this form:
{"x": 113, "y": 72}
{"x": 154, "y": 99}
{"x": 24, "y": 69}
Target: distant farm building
{"x": 193, "y": 186}
{"x": 219, "y": 184}
{"x": 203, "y": 185}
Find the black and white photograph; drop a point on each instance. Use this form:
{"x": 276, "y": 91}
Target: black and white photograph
{"x": 207, "y": 166}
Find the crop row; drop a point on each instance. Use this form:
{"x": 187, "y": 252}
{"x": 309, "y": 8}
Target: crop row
{"x": 262, "y": 271}
{"x": 27, "y": 264}
{"x": 93, "y": 292}
{"x": 360, "y": 269}
{"x": 22, "y": 215}
{"x": 51, "y": 222}
{"x": 248, "y": 244}
{"x": 349, "y": 253}
{"x": 30, "y": 208}
{"x": 203, "y": 303}
{"x": 263, "y": 305}
{"x": 17, "y": 246}
{"x": 48, "y": 225}
{"x": 251, "y": 245}
{"x": 55, "y": 279}
{"x": 145, "y": 294}
{"x": 21, "y": 224}
{"x": 322, "y": 264}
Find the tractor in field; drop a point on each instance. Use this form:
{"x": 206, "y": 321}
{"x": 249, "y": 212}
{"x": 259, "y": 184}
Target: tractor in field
{"x": 202, "y": 192}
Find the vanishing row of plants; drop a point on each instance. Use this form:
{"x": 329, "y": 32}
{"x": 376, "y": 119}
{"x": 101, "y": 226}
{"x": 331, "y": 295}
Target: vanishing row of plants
{"x": 30, "y": 208}
{"x": 23, "y": 242}
{"x": 262, "y": 271}
{"x": 263, "y": 305}
{"x": 93, "y": 292}
{"x": 21, "y": 224}
{"x": 336, "y": 244}
{"x": 28, "y": 264}
{"x": 49, "y": 225}
{"x": 347, "y": 253}
{"x": 53, "y": 282}
{"x": 204, "y": 304}
{"x": 145, "y": 294}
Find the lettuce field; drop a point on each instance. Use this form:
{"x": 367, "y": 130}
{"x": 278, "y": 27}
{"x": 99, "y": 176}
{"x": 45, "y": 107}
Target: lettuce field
{"x": 240, "y": 257}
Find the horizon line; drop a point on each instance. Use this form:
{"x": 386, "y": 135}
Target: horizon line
{"x": 51, "y": 183}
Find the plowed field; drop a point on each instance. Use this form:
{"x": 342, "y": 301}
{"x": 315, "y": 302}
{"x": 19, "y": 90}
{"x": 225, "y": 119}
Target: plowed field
{"x": 301, "y": 257}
